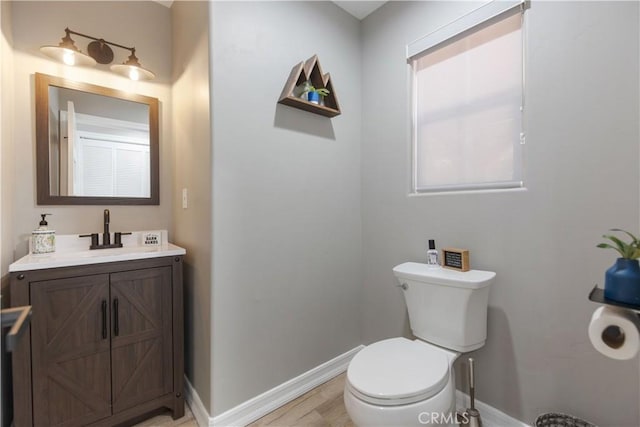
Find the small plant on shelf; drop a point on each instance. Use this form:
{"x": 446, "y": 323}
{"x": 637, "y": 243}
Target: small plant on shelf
{"x": 622, "y": 280}
{"x": 626, "y": 250}
{"x": 312, "y": 94}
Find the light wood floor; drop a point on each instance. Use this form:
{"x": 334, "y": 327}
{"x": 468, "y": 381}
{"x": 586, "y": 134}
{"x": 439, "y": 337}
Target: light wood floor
{"x": 322, "y": 406}
{"x": 167, "y": 421}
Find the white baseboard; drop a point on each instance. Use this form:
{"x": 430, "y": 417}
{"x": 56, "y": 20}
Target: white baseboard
{"x": 195, "y": 404}
{"x": 261, "y": 405}
{"x": 491, "y": 417}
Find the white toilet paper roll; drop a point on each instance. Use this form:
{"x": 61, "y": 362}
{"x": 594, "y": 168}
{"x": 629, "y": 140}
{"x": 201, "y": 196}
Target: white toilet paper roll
{"x": 615, "y": 332}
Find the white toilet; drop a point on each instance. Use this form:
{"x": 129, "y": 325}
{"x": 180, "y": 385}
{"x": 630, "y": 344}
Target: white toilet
{"x": 398, "y": 382}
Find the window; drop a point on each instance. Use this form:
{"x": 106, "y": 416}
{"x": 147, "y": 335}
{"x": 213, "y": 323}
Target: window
{"x": 468, "y": 102}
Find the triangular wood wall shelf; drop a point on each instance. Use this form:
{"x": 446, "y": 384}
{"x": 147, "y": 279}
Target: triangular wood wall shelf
{"x": 310, "y": 70}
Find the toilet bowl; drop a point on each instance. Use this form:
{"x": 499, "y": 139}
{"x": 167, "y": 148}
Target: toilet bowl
{"x": 399, "y": 382}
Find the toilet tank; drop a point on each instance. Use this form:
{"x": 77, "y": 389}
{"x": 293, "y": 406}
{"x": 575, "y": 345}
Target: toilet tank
{"x": 446, "y": 307}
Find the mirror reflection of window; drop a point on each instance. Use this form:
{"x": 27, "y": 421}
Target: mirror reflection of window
{"x": 100, "y": 145}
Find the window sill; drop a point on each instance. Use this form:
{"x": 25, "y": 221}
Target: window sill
{"x": 466, "y": 192}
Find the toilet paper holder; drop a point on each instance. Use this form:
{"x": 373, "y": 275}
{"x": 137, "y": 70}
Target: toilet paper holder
{"x": 614, "y": 327}
{"x": 597, "y": 295}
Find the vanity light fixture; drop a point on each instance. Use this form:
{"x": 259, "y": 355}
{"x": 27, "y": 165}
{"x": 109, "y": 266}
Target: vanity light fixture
{"x": 67, "y": 52}
{"x": 98, "y": 52}
{"x": 131, "y": 68}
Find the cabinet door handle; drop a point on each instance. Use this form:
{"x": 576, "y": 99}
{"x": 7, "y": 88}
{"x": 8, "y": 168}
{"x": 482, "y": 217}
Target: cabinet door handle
{"x": 116, "y": 322}
{"x": 104, "y": 319}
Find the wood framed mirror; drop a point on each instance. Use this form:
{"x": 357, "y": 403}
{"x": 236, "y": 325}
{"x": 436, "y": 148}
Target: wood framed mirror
{"x": 95, "y": 145}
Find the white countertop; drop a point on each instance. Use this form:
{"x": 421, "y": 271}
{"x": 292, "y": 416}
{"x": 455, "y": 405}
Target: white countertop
{"x": 72, "y": 250}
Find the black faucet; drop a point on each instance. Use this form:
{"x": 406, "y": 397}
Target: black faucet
{"x": 106, "y": 237}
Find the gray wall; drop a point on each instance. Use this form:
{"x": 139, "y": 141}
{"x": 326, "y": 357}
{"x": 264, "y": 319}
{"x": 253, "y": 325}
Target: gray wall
{"x": 192, "y": 170}
{"x": 6, "y": 194}
{"x": 6, "y": 141}
{"x": 287, "y": 221}
{"x": 581, "y": 178}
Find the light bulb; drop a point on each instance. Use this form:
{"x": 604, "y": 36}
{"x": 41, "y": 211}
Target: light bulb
{"x": 69, "y": 57}
{"x": 134, "y": 74}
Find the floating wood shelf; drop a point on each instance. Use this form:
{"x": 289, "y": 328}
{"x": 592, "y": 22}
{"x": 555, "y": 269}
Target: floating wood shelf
{"x": 310, "y": 70}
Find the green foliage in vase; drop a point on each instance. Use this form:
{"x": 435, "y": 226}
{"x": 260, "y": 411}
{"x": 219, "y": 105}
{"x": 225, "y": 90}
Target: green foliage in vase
{"x": 308, "y": 87}
{"x": 628, "y": 250}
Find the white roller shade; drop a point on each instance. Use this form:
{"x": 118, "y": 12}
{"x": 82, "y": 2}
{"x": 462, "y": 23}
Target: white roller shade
{"x": 485, "y": 13}
{"x": 468, "y": 110}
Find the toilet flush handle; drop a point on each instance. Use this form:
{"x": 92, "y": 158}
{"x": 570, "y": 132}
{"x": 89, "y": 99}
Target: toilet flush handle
{"x": 404, "y": 286}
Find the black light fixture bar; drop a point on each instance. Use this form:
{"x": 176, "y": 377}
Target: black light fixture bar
{"x": 98, "y": 51}
{"x": 68, "y": 31}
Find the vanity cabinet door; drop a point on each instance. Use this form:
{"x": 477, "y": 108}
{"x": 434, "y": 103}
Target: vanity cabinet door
{"x": 141, "y": 336}
{"x": 70, "y": 351}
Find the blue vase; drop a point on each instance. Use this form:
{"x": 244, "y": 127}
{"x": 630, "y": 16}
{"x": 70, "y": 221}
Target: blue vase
{"x": 313, "y": 97}
{"x": 622, "y": 281}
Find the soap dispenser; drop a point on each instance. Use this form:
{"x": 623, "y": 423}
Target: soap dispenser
{"x": 432, "y": 255}
{"x": 43, "y": 240}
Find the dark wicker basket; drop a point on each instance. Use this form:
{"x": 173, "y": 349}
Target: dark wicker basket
{"x": 560, "y": 420}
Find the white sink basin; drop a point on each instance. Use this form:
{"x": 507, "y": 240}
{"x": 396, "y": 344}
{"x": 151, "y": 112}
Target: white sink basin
{"x": 72, "y": 250}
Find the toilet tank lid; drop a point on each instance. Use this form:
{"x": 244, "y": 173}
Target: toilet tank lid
{"x": 472, "y": 279}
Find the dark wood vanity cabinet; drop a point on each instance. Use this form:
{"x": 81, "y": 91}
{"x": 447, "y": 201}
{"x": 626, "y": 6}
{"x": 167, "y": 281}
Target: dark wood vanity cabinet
{"x": 105, "y": 344}
{"x": 70, "y": 356}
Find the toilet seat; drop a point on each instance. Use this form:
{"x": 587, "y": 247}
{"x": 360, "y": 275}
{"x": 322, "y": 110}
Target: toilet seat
{"x": 398, "y": 371}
